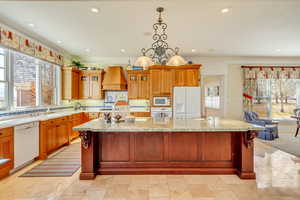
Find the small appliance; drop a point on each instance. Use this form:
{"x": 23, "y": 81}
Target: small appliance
{"x": 161, "y": 101}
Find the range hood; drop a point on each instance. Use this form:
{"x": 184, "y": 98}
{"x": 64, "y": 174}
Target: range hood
{"x": 114, "y": 79}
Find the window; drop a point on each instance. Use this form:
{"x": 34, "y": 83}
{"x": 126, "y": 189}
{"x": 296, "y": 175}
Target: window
{"x": 25, "y": 70}
{"x": 276, "y": 98}
{"x": 48, "y": 83}
{"x": 27, "y": 82}
{"x": 3, "y": 79}
{"x": 212, "y": 97}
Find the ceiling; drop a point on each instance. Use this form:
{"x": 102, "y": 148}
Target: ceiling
{"x": 250, "y": 28}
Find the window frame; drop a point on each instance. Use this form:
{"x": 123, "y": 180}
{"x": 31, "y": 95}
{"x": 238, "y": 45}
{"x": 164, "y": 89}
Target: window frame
{"x": 9, "y": 80}
{"x": 6, "y": 78}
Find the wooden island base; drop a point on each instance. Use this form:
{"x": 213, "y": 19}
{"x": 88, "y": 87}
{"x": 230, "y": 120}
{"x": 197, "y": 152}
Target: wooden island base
{"x": 167, "y": 153}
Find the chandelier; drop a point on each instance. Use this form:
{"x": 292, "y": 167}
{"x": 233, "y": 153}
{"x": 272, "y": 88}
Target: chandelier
{"x": 160, "y": 52}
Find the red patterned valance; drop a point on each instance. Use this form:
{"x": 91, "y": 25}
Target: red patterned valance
{"x": 12, "y": 40}
{"x": 271, "y": 72}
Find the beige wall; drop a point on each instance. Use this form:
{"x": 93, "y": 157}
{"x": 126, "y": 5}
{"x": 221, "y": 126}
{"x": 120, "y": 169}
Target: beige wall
{"x": 213, "y": 80}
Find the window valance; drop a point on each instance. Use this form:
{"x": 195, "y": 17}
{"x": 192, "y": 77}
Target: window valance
{"x": 271, "y": 72}
{"x": 28, "y": 46}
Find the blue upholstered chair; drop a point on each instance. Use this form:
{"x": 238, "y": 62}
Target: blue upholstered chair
{"x": 271, "y": 128}
{"x": 297, "y": 117}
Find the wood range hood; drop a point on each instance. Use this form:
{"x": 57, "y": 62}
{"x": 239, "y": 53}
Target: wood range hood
{"x": 114, "y": 79}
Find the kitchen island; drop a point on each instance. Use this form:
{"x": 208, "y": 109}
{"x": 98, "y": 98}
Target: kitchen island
{"x": 167, "y": 146}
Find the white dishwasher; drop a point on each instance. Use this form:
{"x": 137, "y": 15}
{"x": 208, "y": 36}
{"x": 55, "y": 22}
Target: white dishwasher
{"x": 26, "y": 143}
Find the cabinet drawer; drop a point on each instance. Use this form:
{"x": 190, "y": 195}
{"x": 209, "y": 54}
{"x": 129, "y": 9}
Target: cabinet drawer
{"x": 6, "y": 132}
{"x": 61, "y": 120}
{"x": 76, "y": 116}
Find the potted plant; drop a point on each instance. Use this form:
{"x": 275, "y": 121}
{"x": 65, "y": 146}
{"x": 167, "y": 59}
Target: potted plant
{"x": 78, "y": 64}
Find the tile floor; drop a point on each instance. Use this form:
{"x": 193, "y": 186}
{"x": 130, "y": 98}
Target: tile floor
{"x": 278, "y": 178}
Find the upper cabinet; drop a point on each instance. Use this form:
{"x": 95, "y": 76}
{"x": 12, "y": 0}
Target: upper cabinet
{"x": 164, "y": 78}
{"x": 186, "y": 77}
{"x": 138, "y": 84}
{"x": 90, "y": 84}
{"x": 70, "y": 83}
{"x": 161, "y": 82}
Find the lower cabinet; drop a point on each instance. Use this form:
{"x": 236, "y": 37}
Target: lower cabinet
{"x": 54, "y": 133}
{"x": 6, "y": 151}
{"x": 77, "y": 119}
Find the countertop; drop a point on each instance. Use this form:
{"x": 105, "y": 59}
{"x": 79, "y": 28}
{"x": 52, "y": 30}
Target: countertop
{"x": 170, "y": 125}
{"x": 24, "y": 120}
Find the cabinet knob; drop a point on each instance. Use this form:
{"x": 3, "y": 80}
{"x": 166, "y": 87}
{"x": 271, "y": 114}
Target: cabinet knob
{"x": 1, "y": 134}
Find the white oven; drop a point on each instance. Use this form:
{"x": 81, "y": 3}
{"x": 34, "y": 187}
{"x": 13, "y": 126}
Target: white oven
{"x": 161, "y": 101}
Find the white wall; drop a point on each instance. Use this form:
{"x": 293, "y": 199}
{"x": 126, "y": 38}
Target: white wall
{"x": 227, "y": 66}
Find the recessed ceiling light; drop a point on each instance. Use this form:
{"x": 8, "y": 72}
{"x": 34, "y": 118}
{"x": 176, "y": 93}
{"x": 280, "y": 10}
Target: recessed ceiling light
{"x": 87, "y": 50}
{"x": 95, "y": 10}
{"x": 193, "y": 50}
{"x": 123, "y": 50}
{"x": 31, "y": 25}
{"x": 59, "y": 42}
{"x": 225, "y": 10}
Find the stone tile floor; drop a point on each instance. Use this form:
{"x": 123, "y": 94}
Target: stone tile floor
{"x": 278, "y": 178}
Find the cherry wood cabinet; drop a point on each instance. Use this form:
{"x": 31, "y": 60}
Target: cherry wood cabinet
{"x": 70, "y": 83}
{"x": 166, "y": 82}
{"x": 7, "y": 145}
{"x": 164, "y": 78}
{"x": 54, "y": 133}
{"x": 142, "y": 152}
{"x": 138, "y": 84}
{"x": 76, "y": 119}
{"x": 90, "y": 84}
{"x": 155, "y": 82}
{"x": 186, "y": 77}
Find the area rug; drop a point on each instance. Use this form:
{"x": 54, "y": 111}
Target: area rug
{"x": 62, "y": 164}
{"x": 286, "y": 142}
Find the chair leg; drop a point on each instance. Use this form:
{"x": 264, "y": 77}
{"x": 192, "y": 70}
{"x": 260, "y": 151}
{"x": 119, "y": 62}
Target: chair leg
{"x": 297, "y": 132}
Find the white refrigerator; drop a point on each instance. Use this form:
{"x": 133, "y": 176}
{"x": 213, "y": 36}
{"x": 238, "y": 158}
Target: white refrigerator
{"x": 186, "y": 102}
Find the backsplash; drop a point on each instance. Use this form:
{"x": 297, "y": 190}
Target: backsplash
{"x": 33, "y": 110}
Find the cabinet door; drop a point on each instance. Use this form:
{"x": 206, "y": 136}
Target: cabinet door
{"x": 191, "y": 77}
{"x": 179, "y": 76}
{"x": 51, "y": 138}
{"x": 144, "y": 91}
{"x": 62, "y": 133}
{"x": 6, "y": 147}
{"x": 67, "y": 84}
{"x": 167, "y": 82}
{"x": 75, "y": 85}
{"x": 155, "y": 81}
{"x": 95, "y": 86}
{"x": 133, "y": 86}
{"x": 84, "y": 88}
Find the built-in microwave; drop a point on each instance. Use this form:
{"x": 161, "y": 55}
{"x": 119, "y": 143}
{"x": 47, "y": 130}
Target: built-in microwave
{"x": 161, "y": 101}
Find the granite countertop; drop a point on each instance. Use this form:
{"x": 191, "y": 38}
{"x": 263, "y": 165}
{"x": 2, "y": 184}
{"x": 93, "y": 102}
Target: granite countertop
{"x": 171, "y": 125}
